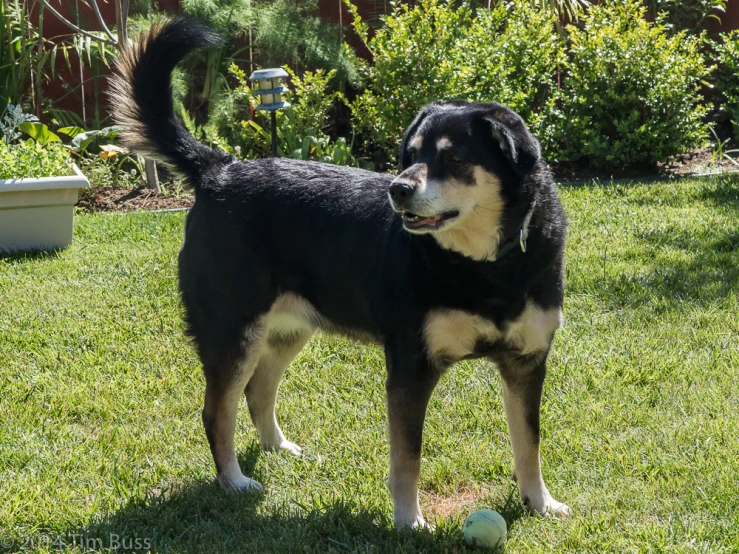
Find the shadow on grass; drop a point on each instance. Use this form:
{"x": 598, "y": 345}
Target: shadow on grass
{"x": 200, "y": 517}
{"x": 724, "y": 193}
{"x": 709, "y": 275}
{"x": 30, "y": 255}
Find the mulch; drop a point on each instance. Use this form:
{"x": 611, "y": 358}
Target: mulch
{"x": 119, "y": 199}
{"x": 696, "y": 162}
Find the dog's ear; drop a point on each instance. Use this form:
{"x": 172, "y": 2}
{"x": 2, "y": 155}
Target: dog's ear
{"x": 404, "y": 157}
{"x": 515, "y": 140}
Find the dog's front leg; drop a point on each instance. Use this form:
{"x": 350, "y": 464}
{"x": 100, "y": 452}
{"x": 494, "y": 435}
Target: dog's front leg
{"x": 409, "y": 387}
{"x": 522, "y": 388}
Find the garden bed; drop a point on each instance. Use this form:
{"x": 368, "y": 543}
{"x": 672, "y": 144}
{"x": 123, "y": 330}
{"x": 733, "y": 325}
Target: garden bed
{"x": 697, "y": 162}
{"x": 121, "y": 199}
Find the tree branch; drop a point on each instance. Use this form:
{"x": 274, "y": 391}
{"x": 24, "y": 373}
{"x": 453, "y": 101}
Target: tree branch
{"x": 75, "y": 28}
{"x": 101, "y": 21}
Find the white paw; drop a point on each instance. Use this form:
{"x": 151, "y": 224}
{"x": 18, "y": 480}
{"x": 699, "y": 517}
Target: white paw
{"x": 413, "y": 522}
{"x": 545, "y": 505}
{"x": 557, "y": 509}
{"x": 291, "y": 448}
{"x": 239, "y": 483}
{"x": 278, "y": 446}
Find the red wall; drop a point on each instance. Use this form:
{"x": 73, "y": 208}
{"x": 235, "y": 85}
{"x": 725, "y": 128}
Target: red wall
{"x": 729, "y": 19}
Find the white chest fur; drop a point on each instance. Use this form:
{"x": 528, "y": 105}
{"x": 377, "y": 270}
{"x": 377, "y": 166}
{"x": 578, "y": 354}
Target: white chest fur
{"x": 453, "y": 334}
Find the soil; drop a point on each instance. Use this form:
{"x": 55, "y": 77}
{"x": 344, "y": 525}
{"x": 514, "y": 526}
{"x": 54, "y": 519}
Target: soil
{"x": 698, "y": 162}
{"x": 119, "y": 199}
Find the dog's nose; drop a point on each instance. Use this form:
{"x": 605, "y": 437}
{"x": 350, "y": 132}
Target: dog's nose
{"x": 400, "y": 191}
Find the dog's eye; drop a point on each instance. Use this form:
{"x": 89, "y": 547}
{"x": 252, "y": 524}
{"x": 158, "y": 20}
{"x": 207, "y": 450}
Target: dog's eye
{"x": 454, "y": 159}
{"x": 412, "y": 152}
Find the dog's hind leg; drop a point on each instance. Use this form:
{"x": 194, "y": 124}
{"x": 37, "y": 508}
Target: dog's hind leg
{"x": 523, "y": 381}
{"x": 225, "y": 378}
{"x": 261, "y": 392}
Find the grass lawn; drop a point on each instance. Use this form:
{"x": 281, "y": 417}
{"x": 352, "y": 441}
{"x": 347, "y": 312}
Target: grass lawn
{"x": 100, "y": 399}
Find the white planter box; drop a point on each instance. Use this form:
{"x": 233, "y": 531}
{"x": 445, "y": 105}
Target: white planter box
{"x": 38, "y": 214}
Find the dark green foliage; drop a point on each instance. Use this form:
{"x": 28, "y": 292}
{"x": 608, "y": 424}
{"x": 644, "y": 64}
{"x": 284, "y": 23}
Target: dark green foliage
{"x": 291, "y": 32}
{"x": 278, "y": 32}
{"x": 231, "y": 18}
{"x": 727, "y": 78}
{"x": 632, "y": 92}
{"x": 688, "y": 15}
{"x": 510, "y": 54}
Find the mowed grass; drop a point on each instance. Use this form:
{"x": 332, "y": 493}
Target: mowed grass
{"x": 100, "y": 400}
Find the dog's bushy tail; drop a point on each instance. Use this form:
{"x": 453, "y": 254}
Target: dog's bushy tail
{"x": 141, "y": 99}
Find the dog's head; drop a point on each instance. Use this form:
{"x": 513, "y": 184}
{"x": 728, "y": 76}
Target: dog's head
{"x": 457, "y": 158}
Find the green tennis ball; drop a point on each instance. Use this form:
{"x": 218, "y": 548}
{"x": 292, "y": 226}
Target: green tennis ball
{"x": 485, "y": 529}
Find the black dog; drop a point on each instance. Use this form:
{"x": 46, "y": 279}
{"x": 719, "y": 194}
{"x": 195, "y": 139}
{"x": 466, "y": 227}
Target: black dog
{"x": 460, "y": 256}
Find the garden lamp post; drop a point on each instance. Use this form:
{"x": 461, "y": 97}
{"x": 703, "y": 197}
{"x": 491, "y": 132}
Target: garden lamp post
{"x": 270, "y": 90}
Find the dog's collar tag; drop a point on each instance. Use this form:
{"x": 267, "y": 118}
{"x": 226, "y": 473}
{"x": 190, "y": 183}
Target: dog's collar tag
{"x": 523, "y": 234}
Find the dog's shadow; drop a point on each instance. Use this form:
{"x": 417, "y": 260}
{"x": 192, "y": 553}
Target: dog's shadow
{"x": 200, "y": 517}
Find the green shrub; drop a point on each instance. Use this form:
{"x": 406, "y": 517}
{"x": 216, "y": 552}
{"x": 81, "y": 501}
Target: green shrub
{"x": 31, "y": 159}
{"x": 727, "y": 78}
{"x": 631, "y": 94}
{"x": 510, "y": 54}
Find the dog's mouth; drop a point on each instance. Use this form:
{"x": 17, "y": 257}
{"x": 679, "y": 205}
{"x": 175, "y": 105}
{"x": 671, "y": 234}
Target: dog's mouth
{"x": 414, "y": 221}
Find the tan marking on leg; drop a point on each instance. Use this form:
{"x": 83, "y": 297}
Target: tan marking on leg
{"x": 476, "y": 233}
{"x": 292, "y": 313}
{"x": 289, "y": 324}
{"x": 222, "y": 395}
{"x": 532, "y": 331}
{"x": 261, "y": 392}
{"x": 527, "y": 464}
{"x": 452, "y": 334}
{"x": 405, "y": 473}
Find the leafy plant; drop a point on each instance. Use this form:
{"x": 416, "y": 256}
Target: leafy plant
{"x": 726, "y": 78}
{"x": 509, "y": 54}
{"x": 28, "y": 61}
{"x": 689, "y": 15}
{"x": 18, "y": 53}
{"x": 112, "y": 168}
{"x": 568, "y": 10}
{"x": 83, "y": 140}
{"x": 237, "y": 127}
{"x": 292, "y": 32}
{"x": 91, "y": 149}
{"x": 259, "y": 33}
{"x": 718, "y": 148}
{"x": 31, "y": 159}
{"x": 12, "y": 119}
{"x": 632, "y": 92}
